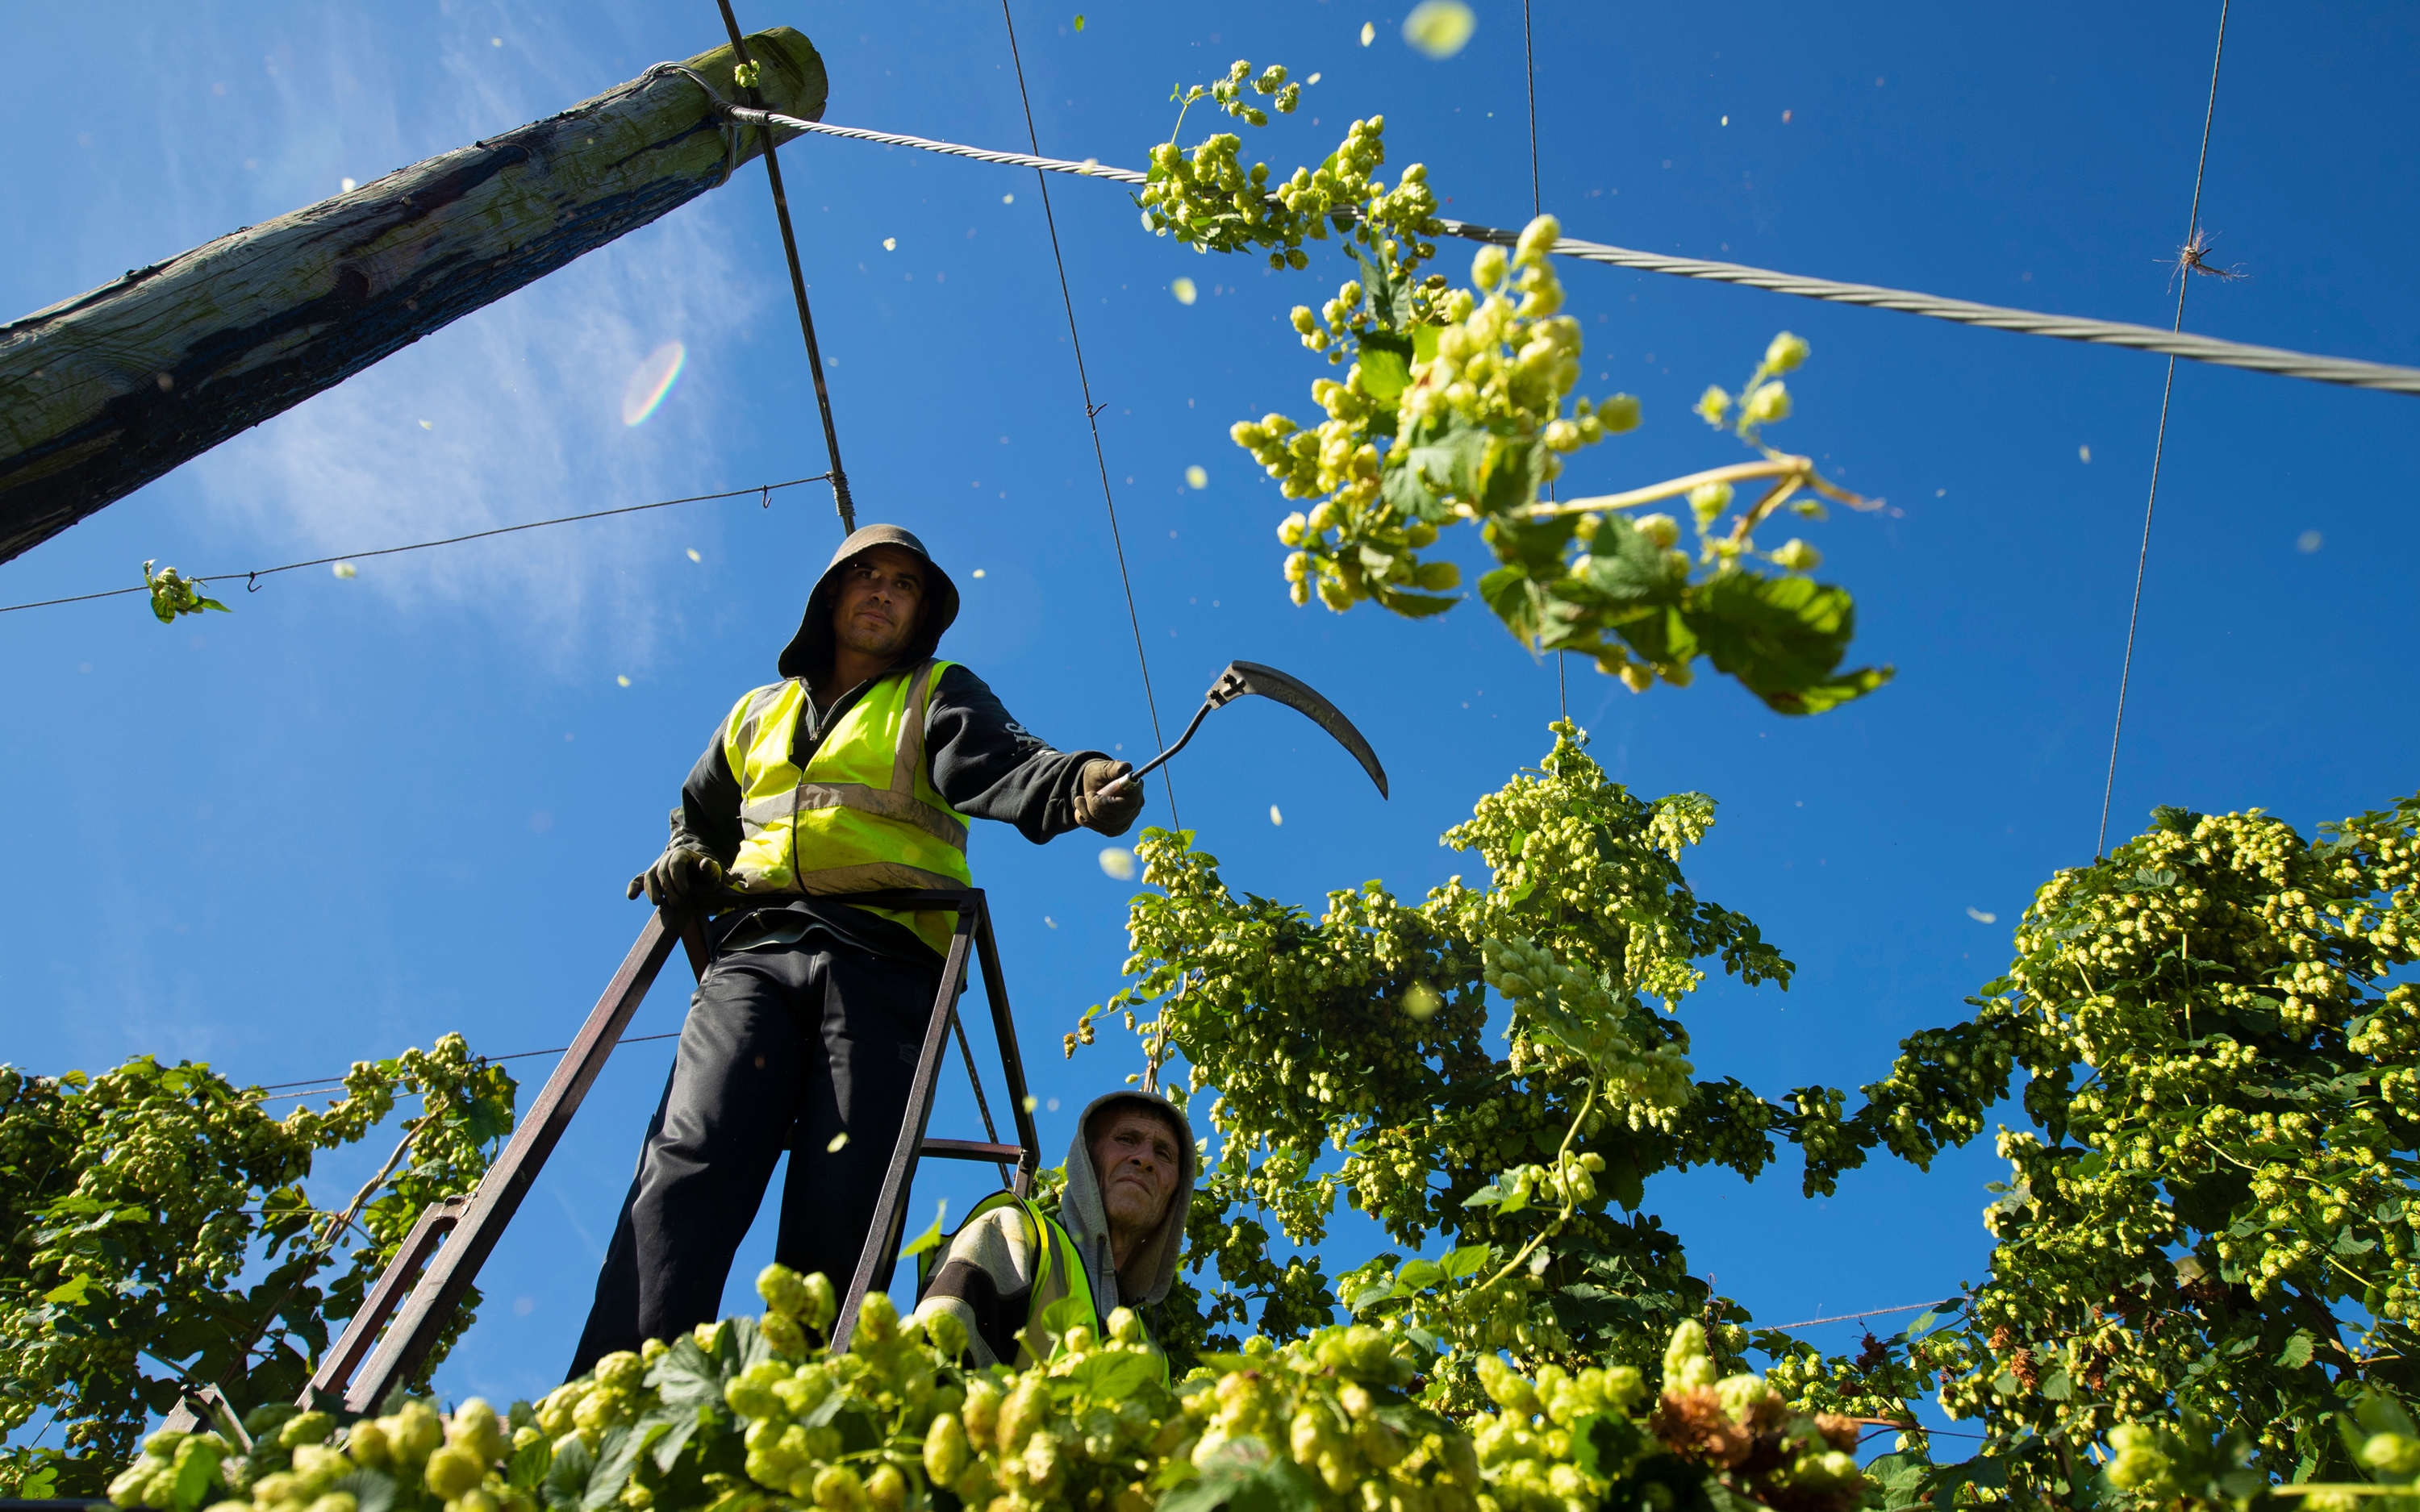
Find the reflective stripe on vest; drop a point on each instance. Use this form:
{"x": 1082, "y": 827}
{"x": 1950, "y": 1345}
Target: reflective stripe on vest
{"x": 1058, "y": 1273}
{"x": 863, "y": 815}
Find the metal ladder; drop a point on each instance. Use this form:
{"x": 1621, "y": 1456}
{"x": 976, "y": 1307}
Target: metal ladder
{"x": 401, "y": 1318}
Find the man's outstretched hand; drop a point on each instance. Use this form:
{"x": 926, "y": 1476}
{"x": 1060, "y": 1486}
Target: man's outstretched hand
{"x": 1113, "y": 813}
{"x": 676, "y": 876}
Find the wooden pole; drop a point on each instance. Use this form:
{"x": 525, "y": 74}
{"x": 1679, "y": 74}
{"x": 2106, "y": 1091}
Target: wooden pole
{"x": 104, "y": 393}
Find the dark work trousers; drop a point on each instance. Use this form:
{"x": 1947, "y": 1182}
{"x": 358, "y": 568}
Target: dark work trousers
{"x": 789, "y": 1045}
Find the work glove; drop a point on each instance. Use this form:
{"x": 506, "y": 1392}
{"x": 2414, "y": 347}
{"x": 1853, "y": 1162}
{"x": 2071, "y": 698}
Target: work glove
{"x": 1114, "y": 814}
{"x": 676, "y": 876}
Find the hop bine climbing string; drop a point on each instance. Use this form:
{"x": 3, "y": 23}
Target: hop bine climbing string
{"x": 1091, "y": 412}
{"x": 2189, "y": 262}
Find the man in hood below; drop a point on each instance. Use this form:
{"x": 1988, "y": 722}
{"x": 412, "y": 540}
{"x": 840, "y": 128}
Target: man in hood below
{"x": 853, "y": 773}
{"x": 1114, "y": 1243}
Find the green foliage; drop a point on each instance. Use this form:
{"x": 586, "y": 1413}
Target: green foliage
{"x": 132, "y": 1204}
{"x": 173, "y": 593}
{"x": 1453, "y": 409}
{"x": 1361, "y": 1031}
{"x": 2207, "y": 1232}
{"x": 750, "y": 1416}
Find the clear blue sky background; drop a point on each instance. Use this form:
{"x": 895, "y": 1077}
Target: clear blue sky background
{"x": 356, "y": 814}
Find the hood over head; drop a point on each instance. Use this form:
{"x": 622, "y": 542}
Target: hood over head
{"x": 810, "y": 652}
{"x": 1151, "y": 1269}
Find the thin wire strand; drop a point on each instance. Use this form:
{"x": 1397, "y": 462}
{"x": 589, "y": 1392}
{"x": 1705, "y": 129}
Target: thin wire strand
{"x": 840, "y": 499}
{"x": 1537, "y": 208}
{"x": 1850, "y": 1317}
{"x": 317, "y": 1084}
{"x": 1091, "y": 417}
{"x": 2159, "y": 446}
{"x": 2347, "y": 371}
{"x": 765, "y": 489}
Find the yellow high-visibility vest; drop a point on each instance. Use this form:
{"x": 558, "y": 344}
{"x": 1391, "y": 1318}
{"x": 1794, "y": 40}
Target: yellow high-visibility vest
{"x": 862, "y": 816}
{"x": 1058, "y": 1273}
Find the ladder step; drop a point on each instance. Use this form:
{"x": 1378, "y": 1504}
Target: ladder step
{"x": 972, "y": 1149}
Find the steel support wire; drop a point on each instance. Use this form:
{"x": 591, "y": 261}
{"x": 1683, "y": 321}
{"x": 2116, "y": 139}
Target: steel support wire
{"x": 797, "y": 279}
{"x": 2347, "y": 371}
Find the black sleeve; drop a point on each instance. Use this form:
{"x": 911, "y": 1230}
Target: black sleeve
{"x": 708, "y": 817}
{"x": 989, "y": 767}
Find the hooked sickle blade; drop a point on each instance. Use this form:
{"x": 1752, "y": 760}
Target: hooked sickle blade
{"x": 1243, "y": 677}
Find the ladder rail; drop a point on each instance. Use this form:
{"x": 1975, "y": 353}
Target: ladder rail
{"x": 451, "y": 1270}
{"x": 401, "y": 1318}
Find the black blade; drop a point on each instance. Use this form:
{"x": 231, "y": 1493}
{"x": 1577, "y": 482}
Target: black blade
{"x": 1295, "y": 694}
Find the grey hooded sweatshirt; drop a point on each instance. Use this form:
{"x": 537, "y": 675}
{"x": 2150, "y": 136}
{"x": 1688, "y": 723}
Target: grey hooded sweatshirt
{"x": 986, "y": 1275}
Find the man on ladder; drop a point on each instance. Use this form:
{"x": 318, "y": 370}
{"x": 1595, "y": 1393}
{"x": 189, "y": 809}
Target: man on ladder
{"x": 853, "y": 773}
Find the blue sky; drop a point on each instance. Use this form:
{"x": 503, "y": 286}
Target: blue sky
{"x": 357, "y": 813}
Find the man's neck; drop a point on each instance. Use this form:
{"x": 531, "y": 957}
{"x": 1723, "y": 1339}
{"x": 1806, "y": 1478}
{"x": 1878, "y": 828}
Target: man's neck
{"x": 849, "y": 669}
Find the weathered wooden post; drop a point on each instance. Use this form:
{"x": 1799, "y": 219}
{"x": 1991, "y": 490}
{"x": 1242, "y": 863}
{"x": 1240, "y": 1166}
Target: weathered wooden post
{"x": 104, "y": 392}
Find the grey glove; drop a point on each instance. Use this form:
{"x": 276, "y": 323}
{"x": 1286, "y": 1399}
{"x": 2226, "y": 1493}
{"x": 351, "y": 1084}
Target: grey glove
{"x": 676, "y": 875}
{"x": 1113, "y": 813}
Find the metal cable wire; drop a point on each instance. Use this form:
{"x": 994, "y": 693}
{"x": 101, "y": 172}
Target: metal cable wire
{"x": 1849, "y": 1317}
{"x": 2347, "y": 371}
{"x": 1091, "y": 417}
{"x": 2160, "y": 444}
{"x": 840, "y": 499}
{"x": 764, "y": 489}
{"x": 1529, "y": 78}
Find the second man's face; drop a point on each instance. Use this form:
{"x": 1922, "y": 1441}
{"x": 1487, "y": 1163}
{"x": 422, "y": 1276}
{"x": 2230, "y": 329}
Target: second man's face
{"x": 880, "y": 601}
{"x": 1135, "y": 1156}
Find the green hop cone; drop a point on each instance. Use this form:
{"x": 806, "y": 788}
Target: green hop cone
{"x": 368, "y": 1443}
{"x": 947, "y": 1332}
{"x": 823, "y": 1304}
{"x": 1020, "y": 1414}
{"x": 1797, "y": 556}
{"x": 783, "y": 1335}
{"x": 453, "y": 1470}
{"x": 750, "y": 1393}
{"x": 980, "y": 1410}
{"x": 305, "y": 1427}
{"x": 1537, "y": 239}
{"x": 1660, "y": 530}
{"x": 2394, "y": 1453}
{"x": 946, "y": 1451}
{"x": 887, "y": 1488}
{"x": 619, "y": 1372}
{"x": 475, "y": 1427}
{"x": 414, "y": 1432}
{"x": 837, "y": 1488}
{"x": 1687, "y": 1364}
{"x": 2136, "y": 1464}
{"x": 1786, "y": 352}
{"x": 783, "y": 1289}
{"x": 878, "y": 1323}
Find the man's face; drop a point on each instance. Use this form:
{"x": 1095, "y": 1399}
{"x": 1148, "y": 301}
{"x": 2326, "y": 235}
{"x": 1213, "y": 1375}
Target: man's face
{"x": 1135, "y": 1156}
{"x": 880, "y": 600}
